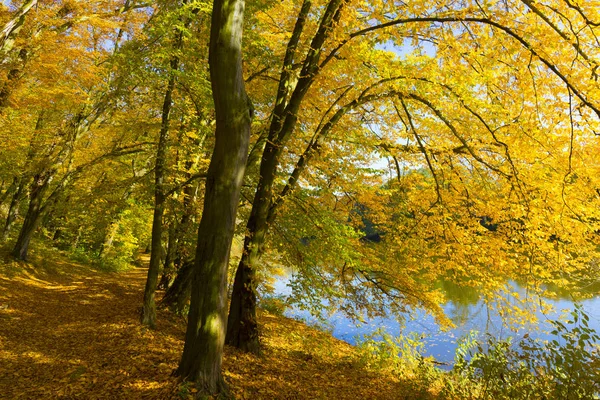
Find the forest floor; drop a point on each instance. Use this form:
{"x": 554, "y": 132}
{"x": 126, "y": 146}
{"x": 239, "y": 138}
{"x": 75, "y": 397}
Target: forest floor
{"x": 70, "y": 332}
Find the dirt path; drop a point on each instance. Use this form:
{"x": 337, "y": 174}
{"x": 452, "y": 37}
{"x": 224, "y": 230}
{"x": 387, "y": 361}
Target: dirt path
{"x": 67, "y": 332}
{"x": 78, "y": 337}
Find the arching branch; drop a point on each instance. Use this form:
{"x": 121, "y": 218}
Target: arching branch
{"x": 421, "y": 148}
{"x": 12, "y": 27}
{"x": 487, "y": 21}
{"x": 456, "y": 134}
{"x": 317, "y": 140}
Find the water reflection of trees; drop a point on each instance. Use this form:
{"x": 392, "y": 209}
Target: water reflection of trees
{"x": 460, "y": 298}
{"x": 578, "y": 290}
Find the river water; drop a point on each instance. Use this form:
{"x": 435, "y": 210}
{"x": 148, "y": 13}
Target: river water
{"x": 467, "y": 310}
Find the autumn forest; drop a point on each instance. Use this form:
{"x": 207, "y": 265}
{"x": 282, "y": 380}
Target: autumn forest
{"x": 167, "y": 167}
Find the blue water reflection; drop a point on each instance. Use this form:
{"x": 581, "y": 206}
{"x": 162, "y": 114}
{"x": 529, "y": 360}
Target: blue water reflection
{"x": 467, "y": 310}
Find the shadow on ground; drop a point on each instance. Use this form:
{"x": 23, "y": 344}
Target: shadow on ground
{"x": 69, "y": 332}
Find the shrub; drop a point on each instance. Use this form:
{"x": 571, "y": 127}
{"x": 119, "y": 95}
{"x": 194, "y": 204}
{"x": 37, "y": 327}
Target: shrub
{"x": 273, "y": 304}
{"x": 559, "y": 369}
{"x": 401, "y": 355}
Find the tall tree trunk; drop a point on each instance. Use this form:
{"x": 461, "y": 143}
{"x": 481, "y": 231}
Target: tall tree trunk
{"x": 13, "y": 209}
{"x": 32, "y": 217}
{"x": 148, "y": 316}
{"x": 242, "y": 328}
{"x": 205, "y": 336}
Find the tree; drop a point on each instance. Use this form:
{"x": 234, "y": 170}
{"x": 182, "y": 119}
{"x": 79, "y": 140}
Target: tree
{"x": 49, "y": 148}
{"x": 7, "y": 41}
{"x": 205, "y": 335}
{"x": 352, "y": 36}
{"x": 148, "y": 315}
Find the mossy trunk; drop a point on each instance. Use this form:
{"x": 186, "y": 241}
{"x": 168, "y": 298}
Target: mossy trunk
{"x": 32, "y": 217}
{"x": 148, "y": 314}
{"x": 205, "y": 336}
{"x": 242, "y": 328}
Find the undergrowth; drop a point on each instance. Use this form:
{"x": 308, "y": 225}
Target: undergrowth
{"x": 567, "y": 367}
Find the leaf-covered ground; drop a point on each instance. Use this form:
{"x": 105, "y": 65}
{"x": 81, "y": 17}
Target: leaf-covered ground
{"x": 67, "y": 331}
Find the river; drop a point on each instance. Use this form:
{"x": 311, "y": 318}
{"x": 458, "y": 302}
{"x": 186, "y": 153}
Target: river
{"x": 467, "y": 310}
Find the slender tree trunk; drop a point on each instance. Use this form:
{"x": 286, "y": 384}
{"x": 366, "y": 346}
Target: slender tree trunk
{"x": 176, "y": 253}
{"x": 190, "y": 193}
{"x": 9, "y": 190}
{"x": 171, "y": 247}
{"x": 205, "y": 336}
{"x": 77, "y": 238}
{"x": 242, "y": 328}
{"x": 169, "y": 270}
{"x": 148, "y": 315}
{"x": 109, "y": 238}
{"x": 21, "y": 249}
{"x": 13, "y": 209}
{"x": 12, "y": 27}
{"x": 178, "y": 293}
{"x": 32, "y": 217}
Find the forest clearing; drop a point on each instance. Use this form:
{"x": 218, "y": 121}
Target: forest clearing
{"x": 421, "y": 168}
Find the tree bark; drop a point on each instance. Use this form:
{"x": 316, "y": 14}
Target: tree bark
{"x": 9, "y": 190}
{"x": 12, "y": 27}
{"x": 178, "y": 293}
{"x": 203, "y": 350}
{"x": 13, "y": 209}
{"x": 148, "y": 314}
{"x": 242, "y": 328}
{"x": 168, "y": 269}
{"x": 32, "y": 217}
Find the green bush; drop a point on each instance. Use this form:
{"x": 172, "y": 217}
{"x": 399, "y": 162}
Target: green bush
{"x": 401, "y": 355}
{"x": 121, "y": 243}
{"x": 273, "y": 304}
{"x": 381, "y": 350}
{"x": 562, "y": 368}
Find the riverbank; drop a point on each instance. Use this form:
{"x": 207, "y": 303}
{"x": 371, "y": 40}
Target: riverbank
{"x": 68, "y": 331}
